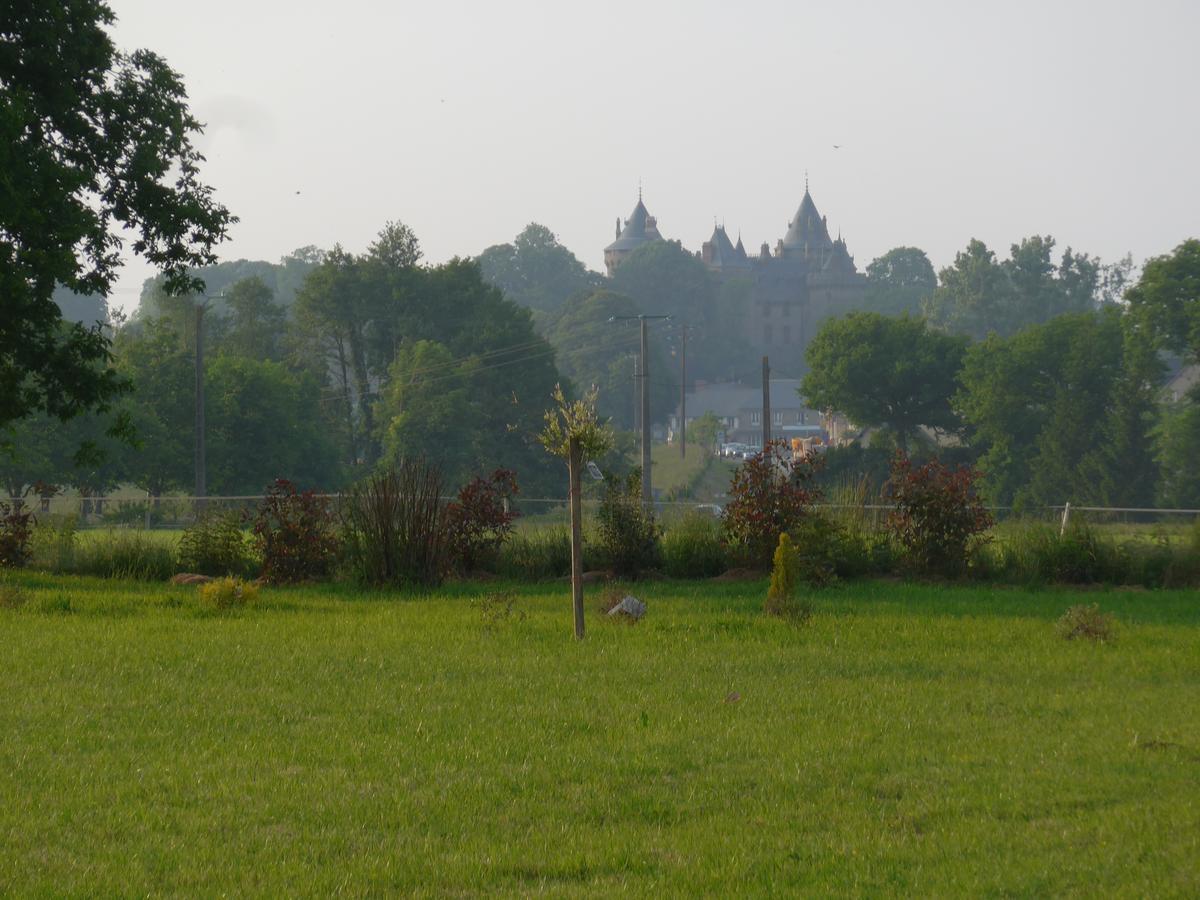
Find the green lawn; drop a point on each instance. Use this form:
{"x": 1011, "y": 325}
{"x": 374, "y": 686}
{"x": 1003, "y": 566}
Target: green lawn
{"x": 909, "y": 740}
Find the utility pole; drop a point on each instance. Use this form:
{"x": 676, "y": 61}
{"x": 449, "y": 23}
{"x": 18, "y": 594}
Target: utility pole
{"x": 637, "y": 394}
{"x": 201, "y": 488}
{"x": 766, "y": 410}
{"x": 683, "y": 393}
{"x": 643, "y": 373}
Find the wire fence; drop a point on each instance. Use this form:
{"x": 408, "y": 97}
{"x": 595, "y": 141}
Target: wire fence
{"x": 176, "y": 512}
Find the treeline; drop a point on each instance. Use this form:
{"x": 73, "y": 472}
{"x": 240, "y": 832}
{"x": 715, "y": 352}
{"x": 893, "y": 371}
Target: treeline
{"x": 1057, "y": 400}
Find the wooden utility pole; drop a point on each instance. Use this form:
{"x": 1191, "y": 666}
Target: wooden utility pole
{"x": 575, "y": 465}
{"x": 201, "y": 488}
{"x": 642, "y": 376}
{"x": 766, "y": 410}
{"x": 683, "y": 393}
{"x": 647, "y": 495}
{"x": 637, "y": 395}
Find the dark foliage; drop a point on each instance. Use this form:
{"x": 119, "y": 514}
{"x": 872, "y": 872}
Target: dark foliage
{"x": 628, "y": 533}
{"x": 939, "y": 515}
{"x": 395, "y": 530}
{"x": 770, "y": 494}
{"x": 16, "y": 529}
{"x": 294, "y": 534}
{"x": 480, "y": 520}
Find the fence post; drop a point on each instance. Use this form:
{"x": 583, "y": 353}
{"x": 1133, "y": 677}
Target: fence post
{"x": 1066, "y": 518}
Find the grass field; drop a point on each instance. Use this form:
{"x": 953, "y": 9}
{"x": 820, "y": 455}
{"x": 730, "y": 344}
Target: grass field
{"x": 908, "y": 740}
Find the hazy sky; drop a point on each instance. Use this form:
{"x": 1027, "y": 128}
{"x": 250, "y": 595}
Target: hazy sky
{"x": 468, "y": 120}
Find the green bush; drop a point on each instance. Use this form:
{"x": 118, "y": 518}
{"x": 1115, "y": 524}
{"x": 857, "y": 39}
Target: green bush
{"x": 692, "y": 548}
{"x": 215, "y": 545}
{"x": 124, "y": 553}
{"x": 938, "y": 517}
{"x": 786, "y": 574}
{"x": 228, "y": 593}
{"x": 819, "y": 545}
{"x": 628, "y": 534}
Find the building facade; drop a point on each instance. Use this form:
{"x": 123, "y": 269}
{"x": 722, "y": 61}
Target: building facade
{"x": 791, "y": 289}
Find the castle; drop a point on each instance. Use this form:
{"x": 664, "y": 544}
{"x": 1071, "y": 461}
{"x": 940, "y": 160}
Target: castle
{"x": 808, "y": 277}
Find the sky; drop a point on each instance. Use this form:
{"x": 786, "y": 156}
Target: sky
{"x": 919, "y": 123}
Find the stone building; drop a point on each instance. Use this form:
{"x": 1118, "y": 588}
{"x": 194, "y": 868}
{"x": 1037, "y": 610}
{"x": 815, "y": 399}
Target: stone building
{"x": 806, "y": 278}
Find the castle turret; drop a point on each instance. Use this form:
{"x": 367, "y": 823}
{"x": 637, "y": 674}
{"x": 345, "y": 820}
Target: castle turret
{"x": 640, "y": 228}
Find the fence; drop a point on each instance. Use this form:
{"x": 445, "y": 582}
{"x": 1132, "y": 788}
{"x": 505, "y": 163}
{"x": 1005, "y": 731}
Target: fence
{"x": 174, "y": 512}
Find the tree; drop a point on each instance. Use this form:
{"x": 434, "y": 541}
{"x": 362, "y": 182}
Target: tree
{"x": 592, "y": 350}
{"x": 1177, "y": 436}
{"x": 882, "y": 371}
{"x": 973, "y": 295}
{"x": 899, "y": 282}
{"x": 703, "y": 430}
{"x": 92, "y": 140}
{"x": 536, "y": 271}
{"x": 260, "y": 427}
{"x": 1059, "y": 411}
{"x": 1167, "y": 298}
{"x": 256, "y": 323}
{"x": 574, "y": 432}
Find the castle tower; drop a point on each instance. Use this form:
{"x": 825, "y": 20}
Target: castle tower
{"x": 640, "y": 228}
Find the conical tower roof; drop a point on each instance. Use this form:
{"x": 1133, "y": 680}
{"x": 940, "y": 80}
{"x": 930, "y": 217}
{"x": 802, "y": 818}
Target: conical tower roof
{"x": 639, "y": 229}
{"x": 807, "y": 228}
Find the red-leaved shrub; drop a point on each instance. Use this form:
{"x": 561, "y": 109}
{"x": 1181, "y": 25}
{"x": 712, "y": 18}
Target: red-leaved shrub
{"x": 294, "y": 533}
{"x": 770, "y": 493}
{"x": 939, "y": 516}
{"x": 16, "y": 528}
{"x": 480, "y": 520}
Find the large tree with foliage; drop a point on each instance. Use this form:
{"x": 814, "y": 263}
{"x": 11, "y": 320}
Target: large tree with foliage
{"x": 899, "y": 282}
{"x": 895, "y": 373}
{"x": 92, "y": 140}
{"x": 1167, "y": 298}
{"x": 535, "y": 270}
{"x": 1061, "y": 411}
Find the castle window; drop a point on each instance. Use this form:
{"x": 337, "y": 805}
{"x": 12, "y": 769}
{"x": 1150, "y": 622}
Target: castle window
{"x": 777, "y": 418}
{"x": 767, "y": 335}
{"x": 755, "y": 418}
{"x": 787, "y": 334}
{"x": 787, "y": 309}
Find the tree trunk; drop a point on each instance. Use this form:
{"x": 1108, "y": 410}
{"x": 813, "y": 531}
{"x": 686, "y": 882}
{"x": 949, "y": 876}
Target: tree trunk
{"x": 575, "y": 464}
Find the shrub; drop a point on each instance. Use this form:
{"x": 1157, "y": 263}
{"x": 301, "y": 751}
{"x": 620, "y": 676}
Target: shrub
{"x": 53, "y": 543}
{"x": 395, "y": 529}
{"x": 545, "y": 553}
{"x": 479, "y": 520}
{"x": 627, "y": 531}
{"x": 691, "y": 548}
{"x": 1038, "y": 552}
{"x": 228, "y": 593}
{"x": 215, "y": 545}
{"x": 785, "y": 578}
{"x": 294, "y": 534}
{"x": 938, "y": 517}
{"x": 817, "y": 544}
{"x": 124, "y": 553}
{"x": 16, "y": 528}
{"x": 769, "y": 494}
{"x": 1086, "y": 623}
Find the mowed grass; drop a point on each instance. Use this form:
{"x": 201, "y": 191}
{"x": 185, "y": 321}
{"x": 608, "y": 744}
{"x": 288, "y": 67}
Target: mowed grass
{"x": 909, "y": 740}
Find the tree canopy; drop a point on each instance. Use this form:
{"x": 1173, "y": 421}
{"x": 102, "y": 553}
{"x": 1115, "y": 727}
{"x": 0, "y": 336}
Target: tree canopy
{"x": 92, "y": 140}
{"x": 899, "y": 282}
{"x": 536, "y": 271}
{"x": 882, "y": 371}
